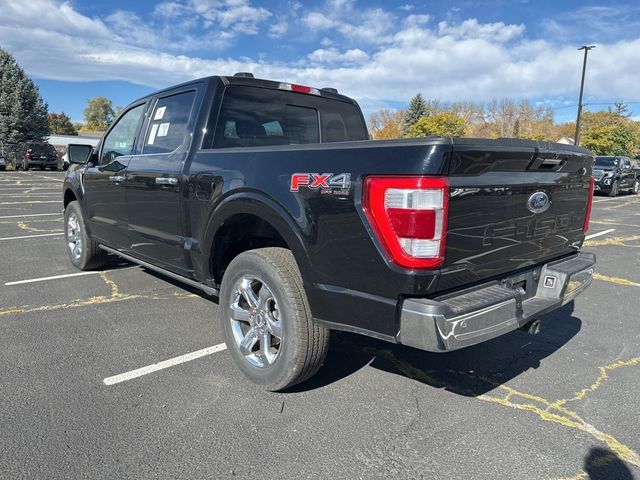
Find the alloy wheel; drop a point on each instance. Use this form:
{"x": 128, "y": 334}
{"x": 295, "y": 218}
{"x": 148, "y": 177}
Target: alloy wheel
{"x": 74, "y": 236}
{"x": 255, "y": 322}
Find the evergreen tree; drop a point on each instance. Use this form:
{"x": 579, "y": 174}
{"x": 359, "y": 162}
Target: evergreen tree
{"x": 23, "y": 113}
{"x": 417, "y": 108}
{"x": 60, "y": 123}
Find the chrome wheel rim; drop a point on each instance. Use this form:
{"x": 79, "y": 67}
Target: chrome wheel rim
{"x": 636, "y": 187}
{"x": 74, "y": 237}
{"x": 255, "y": 322}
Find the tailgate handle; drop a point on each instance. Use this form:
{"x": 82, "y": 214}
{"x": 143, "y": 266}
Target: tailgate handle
{"x": 166, "y": 180}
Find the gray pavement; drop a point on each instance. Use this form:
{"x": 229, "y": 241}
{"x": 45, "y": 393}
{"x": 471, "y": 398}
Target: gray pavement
{"x": 561, "y": 404}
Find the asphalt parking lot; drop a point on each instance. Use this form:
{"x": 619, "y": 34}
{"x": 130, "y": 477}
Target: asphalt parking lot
{"x": 75, "y": 404}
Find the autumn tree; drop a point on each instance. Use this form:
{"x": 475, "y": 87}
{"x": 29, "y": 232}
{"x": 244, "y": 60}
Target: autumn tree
{"x": 610, "y": 133}
{"x": 61, "y": 124}
{"x": 23, "y": 113}
{"x": 442, "y": 124}
{"x": 98, "y": 113}
{"x": 386, "y": 124}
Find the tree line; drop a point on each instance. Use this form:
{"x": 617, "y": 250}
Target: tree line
{"x": 609, "y": 132}
{"x": 25, "y": 116}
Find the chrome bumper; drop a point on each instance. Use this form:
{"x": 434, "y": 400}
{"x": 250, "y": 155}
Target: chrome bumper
{"x": 454, "y": 322}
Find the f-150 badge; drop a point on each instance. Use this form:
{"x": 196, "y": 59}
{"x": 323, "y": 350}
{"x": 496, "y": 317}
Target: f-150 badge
{"x": 324, "y": 182}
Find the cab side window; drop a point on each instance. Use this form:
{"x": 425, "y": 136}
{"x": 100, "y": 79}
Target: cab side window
{"x": 168, "y": 124}
{"x": 119, "y": 141}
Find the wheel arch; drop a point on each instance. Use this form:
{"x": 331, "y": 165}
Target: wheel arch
{"x": 250, "y": 220}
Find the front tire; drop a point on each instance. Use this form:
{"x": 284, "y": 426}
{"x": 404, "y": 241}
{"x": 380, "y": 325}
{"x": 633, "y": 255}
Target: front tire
{"x": 636, "y": 187}
{"x": 83, "y": 251}
{"x": 614, "y": 188}
{"x": 266, "y": 320}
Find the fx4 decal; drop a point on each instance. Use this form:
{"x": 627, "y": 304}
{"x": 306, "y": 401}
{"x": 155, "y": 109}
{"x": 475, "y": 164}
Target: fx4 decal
{"x": 325, "y": 182}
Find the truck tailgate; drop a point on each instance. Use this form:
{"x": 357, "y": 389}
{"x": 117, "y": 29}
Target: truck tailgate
{"x": 513, "y": 204}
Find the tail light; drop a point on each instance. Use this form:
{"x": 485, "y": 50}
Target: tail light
{"x": 27, "y": 155}
{"x": 291, "y": 87}
{"x": 585, "y": 226}
{"x": 409, "y": 217}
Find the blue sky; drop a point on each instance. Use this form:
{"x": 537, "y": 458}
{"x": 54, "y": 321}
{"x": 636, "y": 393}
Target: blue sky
{"x": 380, "y": 53}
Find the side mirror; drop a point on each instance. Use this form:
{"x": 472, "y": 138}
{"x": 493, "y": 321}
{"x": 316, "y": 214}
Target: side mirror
{"x": 79, "y": 154}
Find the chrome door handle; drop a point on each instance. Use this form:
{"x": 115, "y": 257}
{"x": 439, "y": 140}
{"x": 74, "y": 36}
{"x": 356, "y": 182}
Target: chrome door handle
{"x": 166, "y": 180}
{"x": 117, "y": 178}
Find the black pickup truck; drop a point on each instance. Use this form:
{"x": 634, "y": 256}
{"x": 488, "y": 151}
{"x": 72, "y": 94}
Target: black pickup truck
{"x": 271, "y": 197}
{"x": 612, "y": 174}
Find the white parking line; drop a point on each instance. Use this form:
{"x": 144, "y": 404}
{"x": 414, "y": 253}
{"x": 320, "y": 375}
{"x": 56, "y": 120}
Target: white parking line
{"x": 32, "y": 201}
{"x": 31, "y": 215}
{"x": 123, "y": 377}
{"x": 626, "y": 197}
{"x": 589, "y": 237}
{"x": 67, "y": 275}
{"x": 33, "y": 236}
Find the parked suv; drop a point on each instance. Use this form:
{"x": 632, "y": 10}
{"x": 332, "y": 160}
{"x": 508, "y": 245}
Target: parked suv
{"x": 612, "y": 174}
{"x": 35, "y": 154}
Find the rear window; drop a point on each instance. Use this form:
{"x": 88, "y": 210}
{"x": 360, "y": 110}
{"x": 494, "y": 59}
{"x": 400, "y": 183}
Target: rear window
{"x": 255, "y": 117}
{"x": 40, "y": 147}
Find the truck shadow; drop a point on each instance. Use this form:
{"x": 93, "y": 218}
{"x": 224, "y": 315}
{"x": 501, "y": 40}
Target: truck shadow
{"x": 603, "y": 464}
{"x": 470, "y": 372}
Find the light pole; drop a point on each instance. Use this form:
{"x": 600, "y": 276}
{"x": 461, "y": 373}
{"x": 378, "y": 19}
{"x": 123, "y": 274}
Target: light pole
{"x": 586, "y": 48}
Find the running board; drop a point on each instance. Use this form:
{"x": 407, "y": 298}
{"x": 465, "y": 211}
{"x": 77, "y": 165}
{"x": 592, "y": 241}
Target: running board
{"x": 188, "y": 281}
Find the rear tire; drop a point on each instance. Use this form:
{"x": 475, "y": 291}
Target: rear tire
{"x": 266, "y": 320}
{"x": 614, "y": 188}
{"x": 83, "y": 251}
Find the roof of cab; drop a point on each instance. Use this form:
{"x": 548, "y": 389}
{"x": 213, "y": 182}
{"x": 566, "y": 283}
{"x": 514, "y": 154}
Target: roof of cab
{"x": 243, "y": 80}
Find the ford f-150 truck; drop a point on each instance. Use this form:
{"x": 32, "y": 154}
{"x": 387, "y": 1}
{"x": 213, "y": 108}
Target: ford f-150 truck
{"x": 271, "y": 197}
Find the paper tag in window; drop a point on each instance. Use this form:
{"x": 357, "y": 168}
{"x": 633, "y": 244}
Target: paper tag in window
{"x": 159, "y": 113}
{"x": 163, "y": 130}
{"x": 152, "y": 135}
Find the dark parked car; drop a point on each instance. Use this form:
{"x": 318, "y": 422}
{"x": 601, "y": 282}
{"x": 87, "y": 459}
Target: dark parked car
{"x": 612, "y": 174}
{"x": 40, "y": 155}
{"x": 270, "y": 196}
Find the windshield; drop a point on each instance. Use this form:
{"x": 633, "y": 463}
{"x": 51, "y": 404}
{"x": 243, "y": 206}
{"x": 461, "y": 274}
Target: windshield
{"x": 606, "y": 162}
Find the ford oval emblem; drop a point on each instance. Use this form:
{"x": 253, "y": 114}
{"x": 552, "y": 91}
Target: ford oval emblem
{"x": 538, "y": 202}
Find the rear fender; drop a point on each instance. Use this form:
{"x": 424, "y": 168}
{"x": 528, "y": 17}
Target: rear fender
{"x": 252, "y": 203}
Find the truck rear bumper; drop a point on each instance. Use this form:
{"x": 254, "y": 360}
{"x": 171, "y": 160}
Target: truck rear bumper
{"x": 454, "y": 322}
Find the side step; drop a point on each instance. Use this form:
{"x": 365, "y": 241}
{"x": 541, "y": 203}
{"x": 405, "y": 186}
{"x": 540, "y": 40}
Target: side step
{"x": 188, "y": 281}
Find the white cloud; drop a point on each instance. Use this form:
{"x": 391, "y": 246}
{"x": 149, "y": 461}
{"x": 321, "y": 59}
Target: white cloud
{"x": 318, "y": 21}
{"x": 333, "y": 55}
{"x": 407, "y": 7}
{"x": 370, "y": 25}
{"x": 278, "y": 29}
{"x": 471, "y": 28}
{"x": 238, "y": 15}
{"x": 451, "y": 61}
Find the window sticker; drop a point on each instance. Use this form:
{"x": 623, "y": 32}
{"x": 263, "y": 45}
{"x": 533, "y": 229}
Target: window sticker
{"x": 159, "y": 113}
{"x": 164, "y": 129}
{"x": 152, "y": 135}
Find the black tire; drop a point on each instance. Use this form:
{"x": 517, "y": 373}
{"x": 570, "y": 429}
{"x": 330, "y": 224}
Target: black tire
{"x": 615, "y": 186}
{"x": 283, "y": 307}
{"x": 636, "y": 187}
{"x": 25, "y": 166}
{"x": 88, "y": 256}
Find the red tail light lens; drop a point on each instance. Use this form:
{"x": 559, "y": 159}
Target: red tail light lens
{"x": 409, "y": 217}
{"x": 585, "y": 226}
